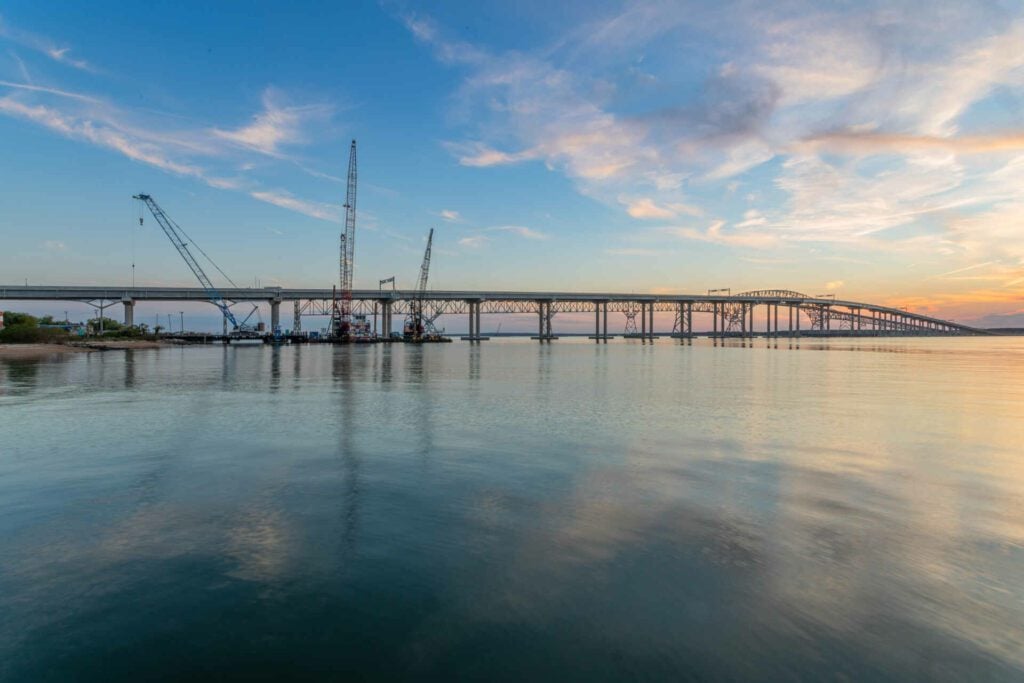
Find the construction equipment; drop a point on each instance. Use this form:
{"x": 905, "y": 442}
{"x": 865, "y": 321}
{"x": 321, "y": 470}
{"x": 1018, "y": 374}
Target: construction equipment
{"x": 341, "y": 317}
{"x": 180, "y": 239}
{"x": 416, "y": 327}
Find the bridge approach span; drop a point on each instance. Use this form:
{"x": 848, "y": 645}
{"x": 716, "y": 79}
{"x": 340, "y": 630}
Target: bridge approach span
{"x": 730, "y": 313}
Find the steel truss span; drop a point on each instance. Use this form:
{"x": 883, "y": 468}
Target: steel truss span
{"x": 730, "y": 313}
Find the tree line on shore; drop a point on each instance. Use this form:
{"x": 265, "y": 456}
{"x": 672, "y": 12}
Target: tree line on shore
{"x": 22, "y": 328}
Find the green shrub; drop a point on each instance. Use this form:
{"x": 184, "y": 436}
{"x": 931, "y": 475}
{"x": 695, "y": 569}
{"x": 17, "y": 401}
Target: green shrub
{"x": 15, "y": 318}
{"x": 109, "y": 324}
{"x": 30, "y": 334}
{"x": 124, "y": 333}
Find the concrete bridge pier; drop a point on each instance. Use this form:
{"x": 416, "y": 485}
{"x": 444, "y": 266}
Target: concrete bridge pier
{"x": 544, "y": 322}
{"x": 599, "y": 308}
{"x": 474, "y": 323}
{"x": 129, "y": 312}
{"x": 275, "y": 315}
{"x": 385, "y": 318}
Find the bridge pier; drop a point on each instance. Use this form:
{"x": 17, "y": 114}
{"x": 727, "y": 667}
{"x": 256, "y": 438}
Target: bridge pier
{"x": 129, "y": 312}
{"x": 275, "y": 316}
{"x": 599, "y": 335}
{"x": 474, "y": 323}
{"x": 544, "y": 322}
{"x": 385, "y": 318}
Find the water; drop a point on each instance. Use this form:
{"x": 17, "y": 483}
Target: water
{"x": 846, "y": 510}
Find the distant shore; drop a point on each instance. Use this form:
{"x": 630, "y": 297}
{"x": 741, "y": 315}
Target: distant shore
{"x": 31, "y": 351}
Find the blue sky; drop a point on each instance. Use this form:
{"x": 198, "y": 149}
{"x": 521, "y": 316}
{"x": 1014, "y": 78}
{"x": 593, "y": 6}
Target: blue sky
{"x": 874, "y": 150}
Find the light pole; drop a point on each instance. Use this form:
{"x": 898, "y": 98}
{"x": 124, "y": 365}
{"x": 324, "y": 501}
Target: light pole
{"x": 182, "y": 314}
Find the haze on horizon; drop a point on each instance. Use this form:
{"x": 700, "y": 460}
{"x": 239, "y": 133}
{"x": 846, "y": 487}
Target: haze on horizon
{"x": 873, "y": 149}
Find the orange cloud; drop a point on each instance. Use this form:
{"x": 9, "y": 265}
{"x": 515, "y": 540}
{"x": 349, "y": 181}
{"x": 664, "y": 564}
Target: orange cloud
{"x": 860, "y": 143}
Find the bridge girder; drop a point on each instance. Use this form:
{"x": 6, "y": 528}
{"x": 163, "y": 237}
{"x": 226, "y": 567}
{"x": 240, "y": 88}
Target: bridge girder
{"x": 820, "y": 312}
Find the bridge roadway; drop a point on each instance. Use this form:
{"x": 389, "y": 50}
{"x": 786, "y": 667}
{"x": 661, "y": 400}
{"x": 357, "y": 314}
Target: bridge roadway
{"x": 730, "y": 313}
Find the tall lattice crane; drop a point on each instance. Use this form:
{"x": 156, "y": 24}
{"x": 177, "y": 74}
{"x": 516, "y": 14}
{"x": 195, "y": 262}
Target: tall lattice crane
{"x": 341, "y": 318}
{"x": 181, "y": 240}
{"x": 414, "y": 323}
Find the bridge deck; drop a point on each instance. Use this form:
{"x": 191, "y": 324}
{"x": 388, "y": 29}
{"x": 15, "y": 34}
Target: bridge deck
{"x": 460, "y": 301}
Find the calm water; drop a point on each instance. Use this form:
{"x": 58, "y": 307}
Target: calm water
{"x": 848, "y": 510}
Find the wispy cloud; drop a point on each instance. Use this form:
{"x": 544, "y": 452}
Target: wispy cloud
{"x": 22, "y": 69}
{"x": 327, "y": 212}
{"x": 43, "y": 45}
{"x": 206, "y": 154}
{"x": 474, "y": 241}
{"x": 449, "y": 215}
{"x": 633, "y": 251}
{"x": 278, "y": 125}
{"x": 967, "y": 268}
{"x": 520, "y": 230}
{"x": 716, "y": 234}
{"x": 54, "y": 245}
{"x": 647, "y": 208}
{"x": 97, "y": 133}
{"x": 51, "y": 91}
{"x": 864, "y": 143}
{"x": 898, "y": 162}
{"x": 483, "y": 236}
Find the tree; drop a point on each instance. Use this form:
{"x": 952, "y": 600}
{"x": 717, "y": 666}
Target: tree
{"x": 12, "y": 318}
{"x": 109, "y": 324}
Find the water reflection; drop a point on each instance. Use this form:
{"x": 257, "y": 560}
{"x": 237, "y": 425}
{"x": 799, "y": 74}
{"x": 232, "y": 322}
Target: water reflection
{"x": 347, "y": 394}
{"x": 519, "y": 510}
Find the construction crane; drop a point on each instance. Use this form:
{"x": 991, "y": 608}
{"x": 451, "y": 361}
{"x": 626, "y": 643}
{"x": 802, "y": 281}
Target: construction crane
{"x": 181, "y": 240}
{"x": 341, "y": 318}
{"x": 414, "y": 323}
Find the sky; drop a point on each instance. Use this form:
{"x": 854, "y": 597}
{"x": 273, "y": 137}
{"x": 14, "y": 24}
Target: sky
{"x": 873, "y": 150}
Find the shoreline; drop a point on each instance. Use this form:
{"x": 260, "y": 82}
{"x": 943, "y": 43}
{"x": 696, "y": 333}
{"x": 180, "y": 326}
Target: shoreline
{"x": 46, "y": 350}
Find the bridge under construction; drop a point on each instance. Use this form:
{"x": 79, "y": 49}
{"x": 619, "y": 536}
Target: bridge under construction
{"x": 348, "y": 308}
{"x": 778, "y": 313}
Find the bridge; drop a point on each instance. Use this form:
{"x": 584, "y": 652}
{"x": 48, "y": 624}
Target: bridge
{"x": 731, "y": 314}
